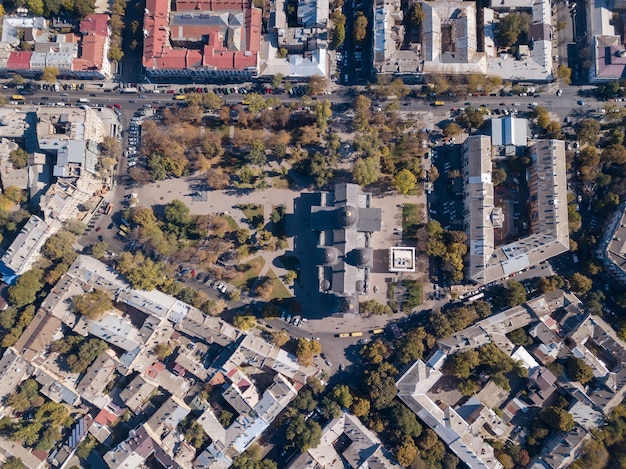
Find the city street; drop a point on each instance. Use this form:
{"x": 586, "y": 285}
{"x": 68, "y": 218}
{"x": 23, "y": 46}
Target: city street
{"x": 337, "y": 350}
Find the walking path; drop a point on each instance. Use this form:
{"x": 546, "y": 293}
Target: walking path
{"x": 163, "y": 192}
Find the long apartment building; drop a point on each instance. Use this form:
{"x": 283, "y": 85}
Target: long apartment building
{"x": 547, "y": 207}
{"x": 204, "y": 39}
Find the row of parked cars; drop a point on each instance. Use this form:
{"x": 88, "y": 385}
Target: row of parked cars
{"x": 298, "y": 91}
{"x": 296, "y": 320}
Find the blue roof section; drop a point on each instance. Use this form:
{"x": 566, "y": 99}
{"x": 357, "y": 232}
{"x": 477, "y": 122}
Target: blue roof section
{"x": 8, "y": 275}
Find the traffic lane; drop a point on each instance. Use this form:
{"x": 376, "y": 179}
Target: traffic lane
{"x": 333, "y": 347}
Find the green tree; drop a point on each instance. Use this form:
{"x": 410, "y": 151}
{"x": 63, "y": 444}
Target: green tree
{"x": 19, "y": 158}
{"x": 257, "y": 154}
{"x": 305, "y": 401}
{"x": 360, "y": 407}
{"x": 366, "y": 170}
{"x": 588, "y": 131}
{"x": 338, "y": 36}
{"x": 244, "y": 322}
{"x": 375, "y": 352}
{"x": 578, "y": 370}
{"x": 25, "y": 289}
{"x": 92, "y": 305}
{"x": 362, "y": 110}
{"x": 163, "y": 350}
{"x": 330, "y": 409}
{"x": 564, "y": 73}
{"x": 520, "y": 337}
{"x": 614, "y": 154}
{"x": 195, "y": 435}
{"x": 59, "y": 246}
{"x": 452, "y": 129}
{"x": 471, "y": 118}
{"x": 511, "y": 27}
{"x": 280, "y": 338}
{"x": 305, "y": 434}
{"x": 416, "y": 14}
{"x": 579, "y": 283}
{"x": 35, "y": 7}
{"x": 498, "y": 176}
{"x": 323, "y": 113}
{"x": 557, "y": 418}
{"x": 306, "y": 350}
{"x": 405, "y": 421}
{"x": 116, "y": 54}
{"x": 315, "y": 384}
{"x": 177, "y": 213}
{"x": 462, "y": 364}
{"x": 83, "y": 8}
{"x": 427, "y": 440}
{"x": 381, "y": 386}
{"x": 406, "y": 452}
{"x": 321, "y": 169}
{"x": 12, "y": 462}
{"x": 360, "y": 27}
{"x": 99, "y": 249}
{"x": 50, "y": 74}
{"x": 411, "y": 347}
{"x": 515, "y": 293}
{"x": 86, "y": 446}
{"x": 225, "y": 419}
{"x": 405, "y": 181}
{"x": 141, "y": 272}
{"x": 341, "y": 394}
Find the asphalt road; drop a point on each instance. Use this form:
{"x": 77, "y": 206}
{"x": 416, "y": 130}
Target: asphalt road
{"x": 562, "y": 105}
{"x": 337, "y": 350}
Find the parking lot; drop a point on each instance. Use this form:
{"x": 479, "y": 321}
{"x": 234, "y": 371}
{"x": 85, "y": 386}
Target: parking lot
{"x": 445, "y": 202}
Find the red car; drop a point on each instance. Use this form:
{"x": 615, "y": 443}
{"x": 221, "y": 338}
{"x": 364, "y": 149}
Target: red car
{"x": 117, "y": 106}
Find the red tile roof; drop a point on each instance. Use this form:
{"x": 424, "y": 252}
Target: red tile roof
{"x": 211, "y": 5}
{"x": 98, "y": 24}
{"x": 159, "y": 54}
{"x": 92, "y": 53}
{"x": 105, "y": 418}
{"x": 19, "y": 60}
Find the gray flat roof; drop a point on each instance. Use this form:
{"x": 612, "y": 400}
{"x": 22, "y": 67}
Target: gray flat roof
{"x": 548, "y": 211}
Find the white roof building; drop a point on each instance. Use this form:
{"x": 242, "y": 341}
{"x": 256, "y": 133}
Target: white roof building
{"x": 509, "y": 131}
{"x": 453, "y": 430}
{"x": 364, "y": 449}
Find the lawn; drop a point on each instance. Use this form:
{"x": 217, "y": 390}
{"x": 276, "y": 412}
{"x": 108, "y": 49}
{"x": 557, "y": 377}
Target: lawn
{"x": 414, "y": 294}
{"x": 280, "y": 290}
{"x": 248, "y": 272}
{"x": 280, "y": 182}
{"x": 232, "y": 223}
{"x": 412, "y": 219}
{"x": 253, "y": 213}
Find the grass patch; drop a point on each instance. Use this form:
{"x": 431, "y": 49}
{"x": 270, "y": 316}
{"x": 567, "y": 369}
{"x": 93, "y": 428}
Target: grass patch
{"x": 232, "y": 223}
{"x": 412, "y": 219}
{"x": 248, "y": 272}
{"x": 280, "y": 290}
{"x": 414, "y": 294}
{"x": 253, "y": 213}
{"x": 280, "y": 182}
